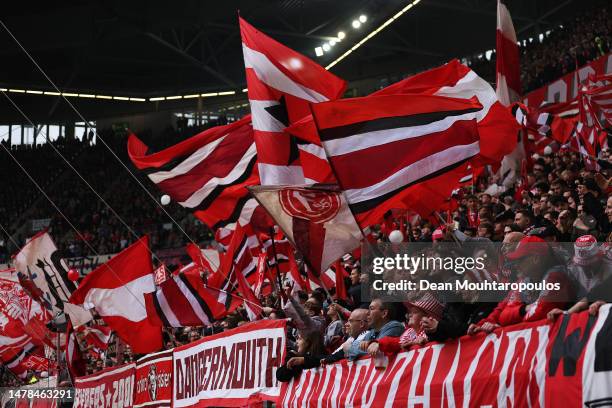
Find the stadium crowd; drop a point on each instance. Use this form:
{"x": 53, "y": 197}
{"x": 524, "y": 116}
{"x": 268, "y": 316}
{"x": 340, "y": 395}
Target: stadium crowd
{"x": 558, "y": 199}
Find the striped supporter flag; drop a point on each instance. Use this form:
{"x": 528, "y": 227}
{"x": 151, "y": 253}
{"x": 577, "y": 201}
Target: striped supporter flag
{"x": 281, "y": 83}
{"x": 380, "y": 147}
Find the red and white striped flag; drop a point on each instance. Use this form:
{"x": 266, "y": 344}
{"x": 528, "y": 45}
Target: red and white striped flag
{"x": 206, "y": 173}
{"x": 184, "y": 300}
{"x": 116, "y": 290}
{"x": 97, "y": 335}
{"x": 382, "y": 146}
{"x": 237, "y": 273}
{"x": 237, "y": 257}
{"x": 507, "y": 66}
{"x": 508, "y": 79}
{"x": 281, "y": 83}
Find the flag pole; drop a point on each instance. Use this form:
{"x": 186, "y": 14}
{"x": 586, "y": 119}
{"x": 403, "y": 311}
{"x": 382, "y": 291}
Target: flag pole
{"x": 277, "y": 267}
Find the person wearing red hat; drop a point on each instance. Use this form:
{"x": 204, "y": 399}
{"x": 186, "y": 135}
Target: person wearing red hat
{"x": 592, "y": 271}
{"x": 535, "y": 262}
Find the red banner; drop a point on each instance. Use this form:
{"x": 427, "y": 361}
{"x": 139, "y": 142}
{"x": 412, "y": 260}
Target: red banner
{"x": 230, "y": 369}
{"x": 535, "y": 364}
{"x": 153, "y": 386}
{"x": 566, "y": 88}
{"x": 111, "y": 388}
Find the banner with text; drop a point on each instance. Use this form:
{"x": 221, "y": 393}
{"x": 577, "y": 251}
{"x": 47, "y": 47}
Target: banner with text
{"x": 111, "y": 388}
{"x": 534, "y": 364}
{"x": 153, "y": 384}
{"x": 230, "y": 369}
{"x": 566, "y": 88}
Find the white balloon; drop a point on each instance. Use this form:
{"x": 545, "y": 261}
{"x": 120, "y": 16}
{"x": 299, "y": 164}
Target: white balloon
{"x": 396, "y": 236}
{"x": 165, "y": 199}
{"x": 548, "y": 150}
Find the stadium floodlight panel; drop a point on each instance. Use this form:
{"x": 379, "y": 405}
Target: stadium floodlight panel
{"x": 356, "y": 24}
{"x": 227, "y": 93}
{"x": 363, "y": 18}
{"x": 341, "y": 35}
{"x": 319, "y": 51}
{"x": 104, "y": 97}
{"x": 16, "y": 90}
{"x": 121, "y": 98}
{"x": 206, "y": 95}
{"x": 159, "y": 98}
{"x": 372, "y": 34}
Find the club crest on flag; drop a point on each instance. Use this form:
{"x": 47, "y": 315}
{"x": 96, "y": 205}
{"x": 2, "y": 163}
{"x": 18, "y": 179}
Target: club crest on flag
{"x": 313, "y": 205}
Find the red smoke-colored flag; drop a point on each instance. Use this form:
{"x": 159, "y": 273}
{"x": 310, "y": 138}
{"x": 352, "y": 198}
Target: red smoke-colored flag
{"x": 315, "y": 219}
{"x": 206, "y": 173}
{"x": 98, "y": 336}
{"x": 184, "y": 300}
{"x": 116, "y": 290}
{"x": 507, "y": 65}
{"x": 281, "y": 83}
{"x": 382, "y": 148}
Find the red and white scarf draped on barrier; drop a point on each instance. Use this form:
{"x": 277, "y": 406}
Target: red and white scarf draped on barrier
{"x": 230, "y": 369}
{"x": 153, "y": 384}
{"x": 535, "y": 364}
{"x": 111, "y": 388}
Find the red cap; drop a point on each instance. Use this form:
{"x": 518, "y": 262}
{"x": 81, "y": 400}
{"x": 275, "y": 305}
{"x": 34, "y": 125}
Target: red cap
{"x": 526, "y": 247}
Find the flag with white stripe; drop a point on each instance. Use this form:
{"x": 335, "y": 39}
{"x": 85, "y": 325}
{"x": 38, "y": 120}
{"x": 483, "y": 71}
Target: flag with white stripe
{"x": 206, "y": 173}
{"x": 184, "y": 300}
{"x": 379, "y": 146}
{"x": 507, "y": 65}
{"x": 281, "y": 83}
{"x": 237, "y": 272}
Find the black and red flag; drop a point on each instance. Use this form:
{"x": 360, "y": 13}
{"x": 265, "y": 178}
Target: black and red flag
{"x": 394, "y": 151}
{"x": 206, "y": 173}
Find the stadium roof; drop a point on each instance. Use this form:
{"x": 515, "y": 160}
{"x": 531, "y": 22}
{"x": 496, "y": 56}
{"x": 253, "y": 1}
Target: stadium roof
{"x": 143, "y": 49}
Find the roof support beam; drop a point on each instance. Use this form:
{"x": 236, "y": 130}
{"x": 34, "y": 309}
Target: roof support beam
{"x": 193, "y": 60}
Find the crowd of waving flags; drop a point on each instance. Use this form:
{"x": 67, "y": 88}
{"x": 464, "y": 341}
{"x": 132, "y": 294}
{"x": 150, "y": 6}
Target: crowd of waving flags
{"x": 289, "y": 190}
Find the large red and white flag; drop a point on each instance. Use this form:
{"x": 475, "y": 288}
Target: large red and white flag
{"x": 44, "y": 275}
{"x": 281, "y": 83}
{"x": 206, "y": 173}
{"x": 315, "y": 219}
{"x": 507, "y": 65}
{"x": 116, "y": 290}
{"x": 184, "y": 300}
{"x": 382, "y": 146}
{"x": 508, "y": 79}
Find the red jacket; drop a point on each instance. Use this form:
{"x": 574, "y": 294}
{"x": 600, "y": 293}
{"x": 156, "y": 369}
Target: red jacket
{"x": 514, "y": 310}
